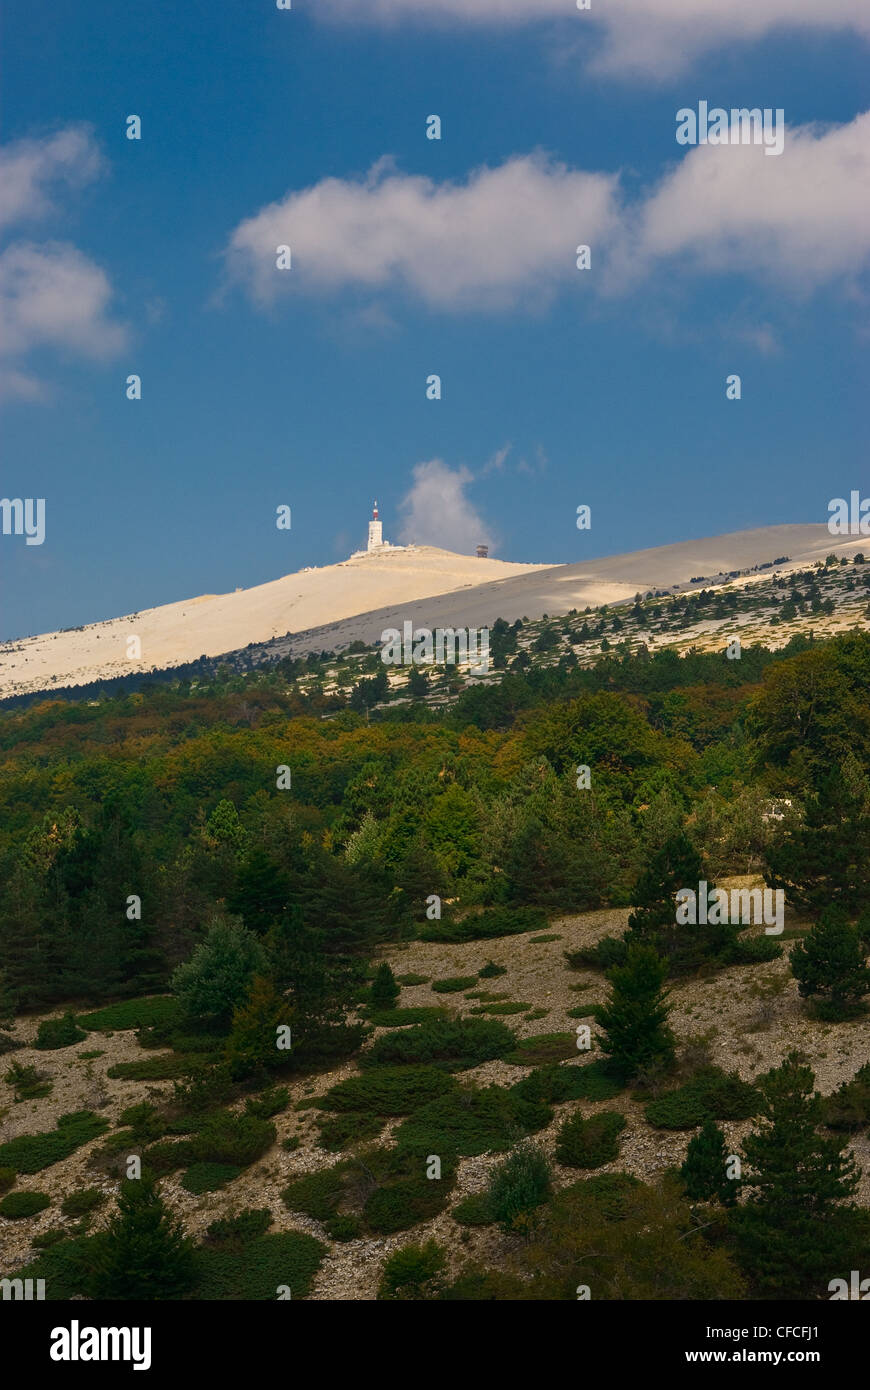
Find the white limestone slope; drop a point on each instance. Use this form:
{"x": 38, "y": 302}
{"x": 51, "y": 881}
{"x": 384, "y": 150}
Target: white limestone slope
{"x": 213, "y": 624}
{"x": 357, "y": 599}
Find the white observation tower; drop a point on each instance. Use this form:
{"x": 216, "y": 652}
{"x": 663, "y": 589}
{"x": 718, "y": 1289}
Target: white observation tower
{"x": 376, "y": 537}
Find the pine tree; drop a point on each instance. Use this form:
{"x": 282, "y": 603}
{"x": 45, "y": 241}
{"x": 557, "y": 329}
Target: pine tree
{"x": 144, "y": 1253}
{"x": 252, "y": 1047}
{"x": 384, "y": 991}
{"x": 797, "y": 1229}
{"x": 634, "y": 1018}
{"x": 830, "y": 961}
{"x": 261, "y": 893}
{"x": 824, "y": 859}
{"x": 704, "y": 1170}
{"x": 676, "y": 865}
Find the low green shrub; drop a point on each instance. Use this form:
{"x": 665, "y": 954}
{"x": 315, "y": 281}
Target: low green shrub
{"x": 404, "y": 1196}
{"x": 490, "y": 971}
{"x": 414, "y": 1272}
{"x": 163, "y": 1068}
{"x": 30, "y": 1153}
{"x": 316, "y": 1194}
{"x": 235, "y": 1231}
{"x": 208, "y": 1177}
{"x": 556, "y": 1084}
{"x": 389, "y": 1091}
{"x": 340, "y": 1132}
{"x": 591, "y": 1143}
{"x": 413, "y": 979}
{"x": 54, "y": 1033}
{"x": 518, "y": 1186}
{"x": 344, "y": 1228}
{"x": 16, "y": 1205}
{"x": 487, "y": 925}
{"x": 548, "y": 936}
{"x": 83, "y": 1202}
{"x": 7, "y": 1179}
{"x": 470, "y": 1121}
{"x": 268, "y": 1103}
{"x": 475, "y": 1210}
{"x": 711, "y": 1094}
{"x": 454, "y": 1044}
{"x": 454, "y": 984}
{"x": 27, "y": 1082}
{"x": 46, "y": 1239}
{"x": 149, "y": 1011}
{"x": 144, "y": 1120}
{"x": 508, "y": 1007}
{"x": 237, "y": 1140}
{"x": 542, "y": 1048}
{"x": 260, "y": 1268}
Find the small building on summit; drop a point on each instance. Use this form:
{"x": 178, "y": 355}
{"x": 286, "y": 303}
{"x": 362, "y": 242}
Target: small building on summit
{"x": 376, "y": 531}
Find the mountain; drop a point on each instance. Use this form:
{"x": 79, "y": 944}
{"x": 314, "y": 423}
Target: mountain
{"x": 333, "y": 606}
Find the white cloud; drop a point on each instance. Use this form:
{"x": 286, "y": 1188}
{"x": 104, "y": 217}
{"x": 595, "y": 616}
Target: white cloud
{"x": 53, "y": 295}
{"x": 29, "y": 169}
{"x": 800, "y": 217}
{"x": 655, "y": 38}
{"x": 503, "y": 234}
{"x": 436, "y": 510}
{"x": 507, "y": 236}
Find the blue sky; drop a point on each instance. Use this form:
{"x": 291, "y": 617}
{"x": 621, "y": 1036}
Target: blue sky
{"x": 307, "y": 387}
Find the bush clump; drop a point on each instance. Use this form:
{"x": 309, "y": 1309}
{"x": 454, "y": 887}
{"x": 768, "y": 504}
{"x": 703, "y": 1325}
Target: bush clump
{"x": 491, "y": 971}
{"x": 208, "y": 1177}
{"x": 517, "y": 1187}
{"x": 353, "y": 1127}
{"x": 414, "y": 1272}
{"x": 470, "y": 1121}
{"x": 712, "y": 1094}
{"x": 30, "y": 1153}
{"x": 58, "y": 1032}
{"x": 150, "y": 1011}
{"x": 237, "y": 1140}
{"x": 453, "y": 1044}
{"x": 16, "y": 1205}
{"x": 485, "y": 926}
{"x": 82, "y": 1203}
{"x": 454, "y": 984}
{"x": 591, "y": 1143}
{"x": 234, "y": 1231}
{"x": 389, "y": 1091}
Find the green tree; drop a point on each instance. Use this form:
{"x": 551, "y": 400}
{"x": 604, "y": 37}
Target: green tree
{"x": 144, "y": 1253}
{"x": 634, "y": 1017}
{"x": 704, "y": 1170}
{"x": 218, "y": 975}
{"x": 830, "y": 961}
{"x": 385, "y": 991}
{"x": 676, "y": 865}
{"x": 797, "y": 1229}
{"x": 261, "y": 893}
{"x": 252, "y": 1046}
{"x": 825, "y": 858}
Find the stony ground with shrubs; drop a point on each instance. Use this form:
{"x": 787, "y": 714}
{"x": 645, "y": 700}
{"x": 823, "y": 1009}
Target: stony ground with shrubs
{"x": 318, "y": 1182}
